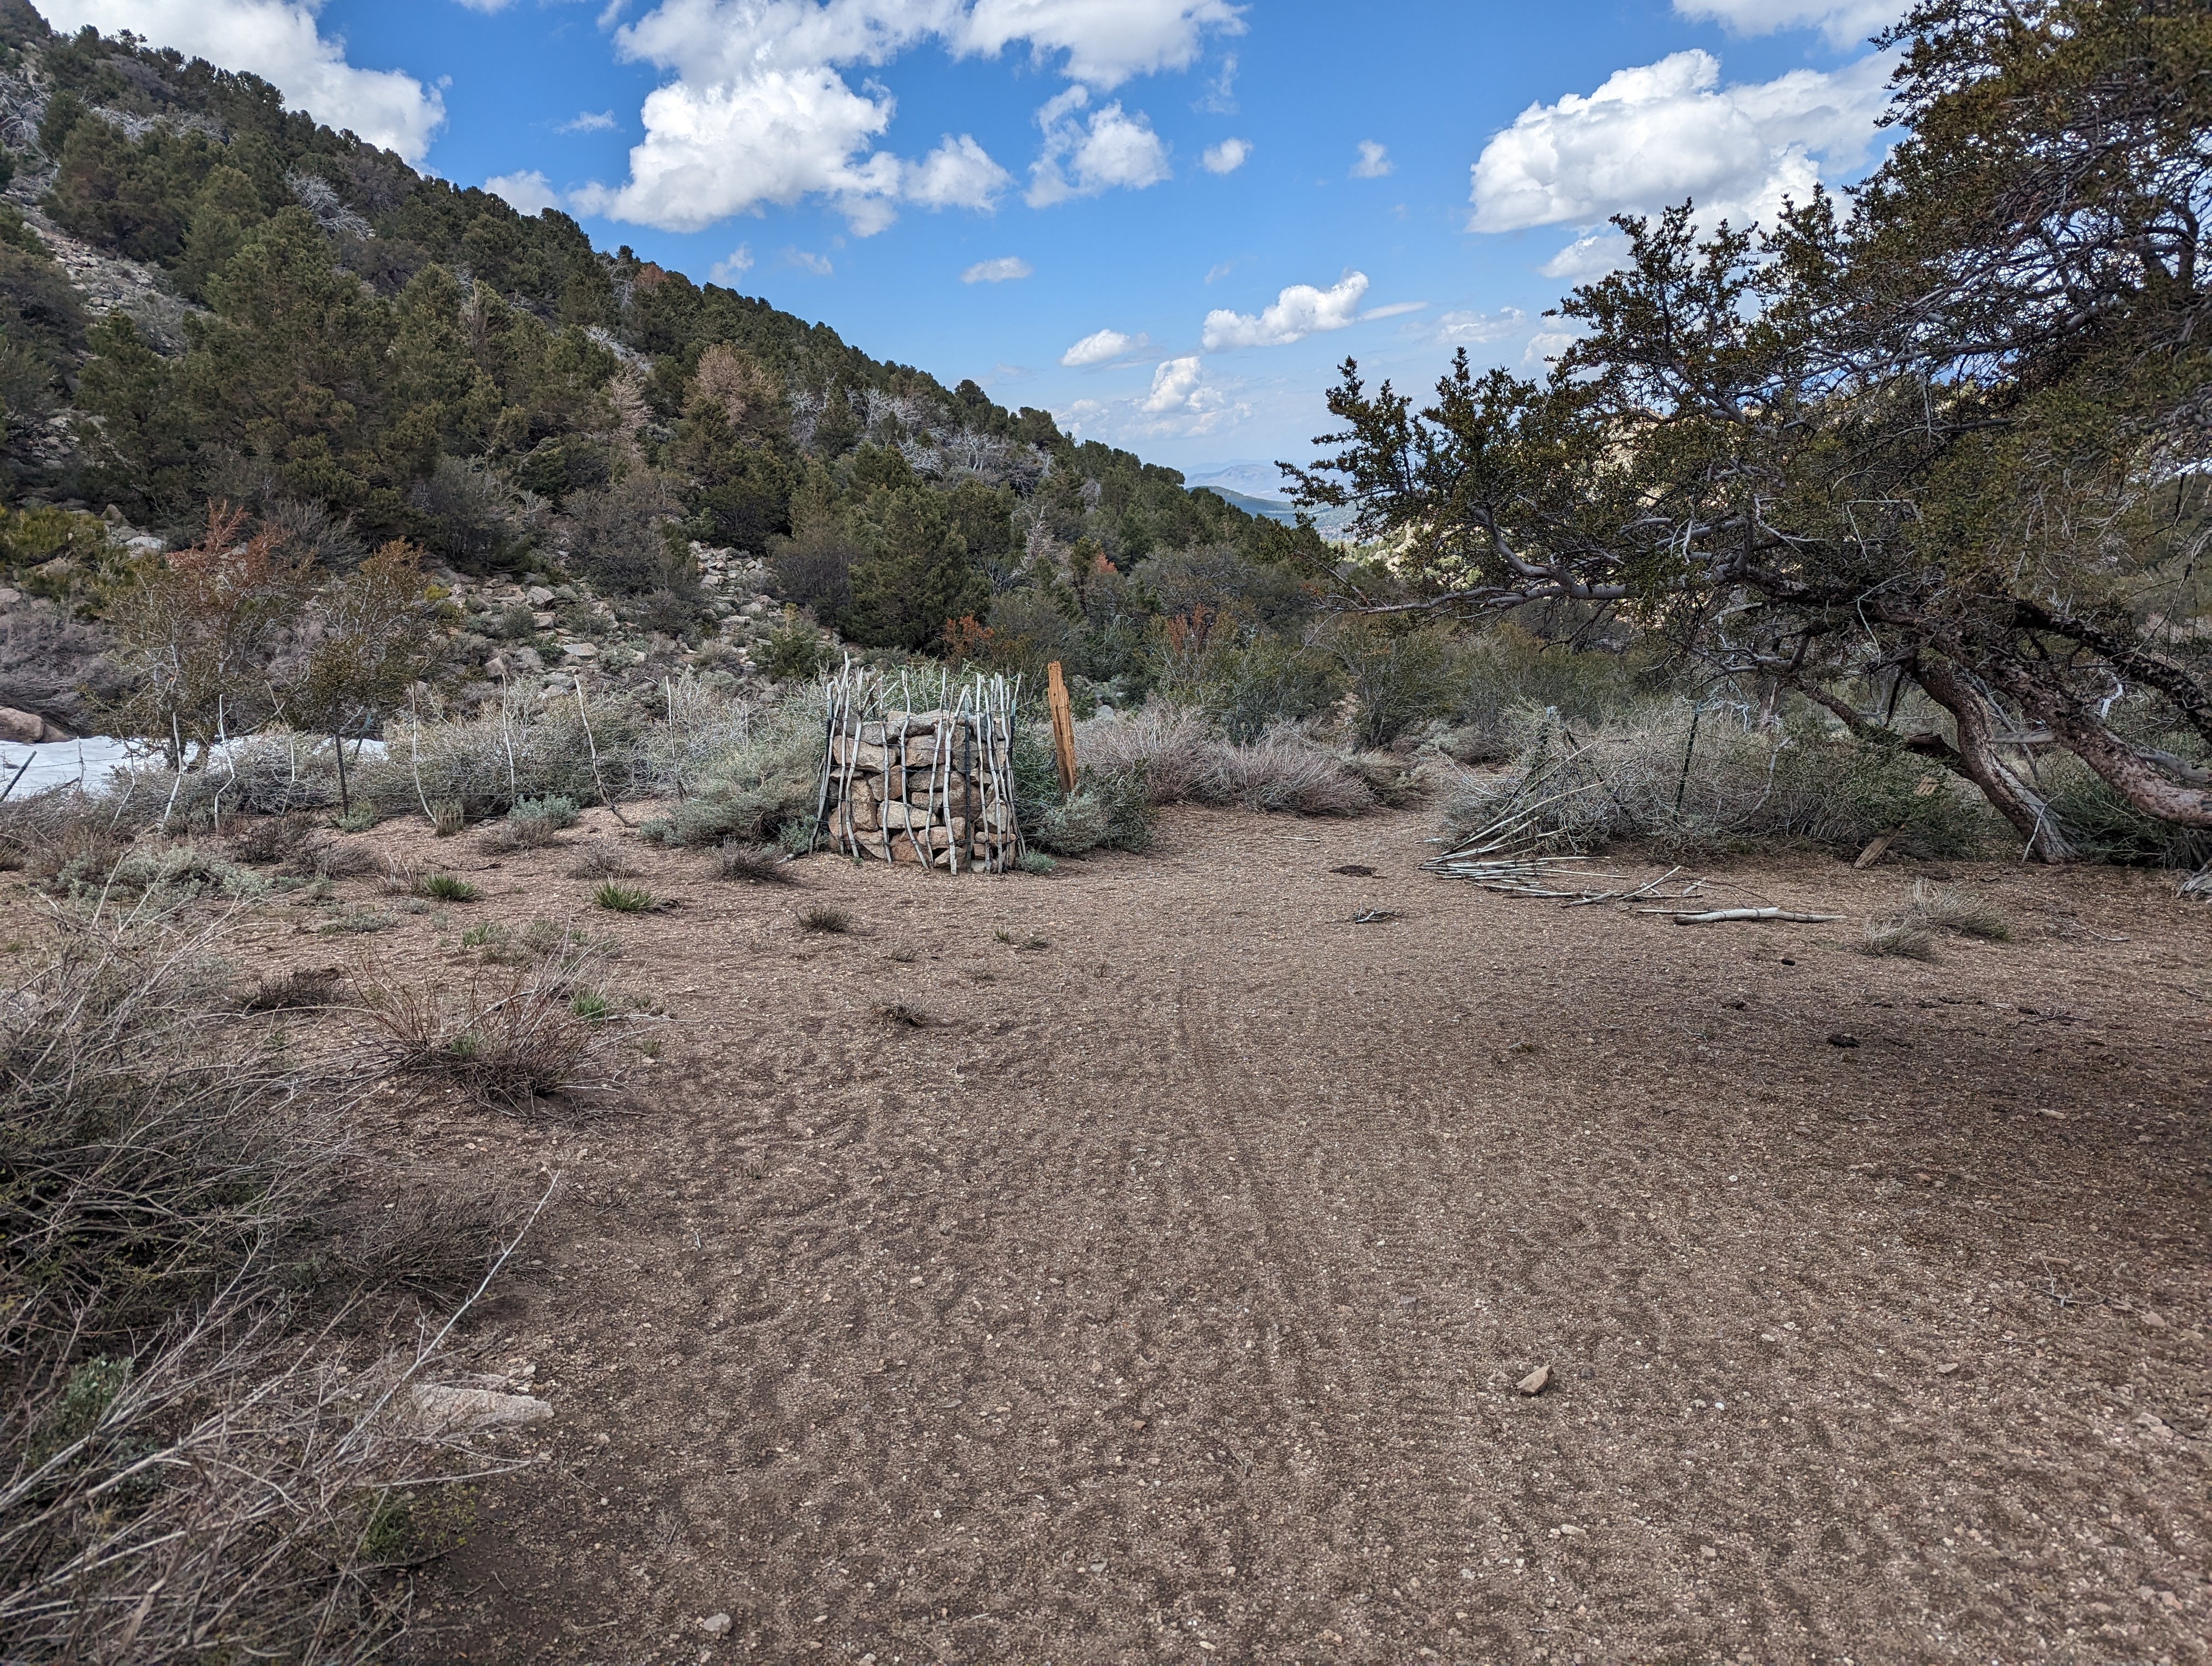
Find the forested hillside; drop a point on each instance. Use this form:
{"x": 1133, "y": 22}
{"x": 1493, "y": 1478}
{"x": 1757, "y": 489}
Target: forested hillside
{"x": 208, "y": 298}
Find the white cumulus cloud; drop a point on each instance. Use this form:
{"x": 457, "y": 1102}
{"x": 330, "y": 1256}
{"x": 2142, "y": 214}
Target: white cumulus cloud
{"x": 1841, "y": 20}
{"x": 1083, "y": 158}
{"x": 1174, "y": 383}
{"x": 589, "y": 121}
{"x": 1650, "y": 136}
{"x": 1105, "y": 41}
{"x": 1547, "y": 345}
{"x": 958, "y": 173}
{"x": 1183, "y": 401}
{"x": 1102, "y": 347}
{"x": 757, "y": 108}
{"x": 1227, "y": 156}
{"x": 807, "y": 261}
{"x": 731, "y": 266}
{"x": 1003, "y": 269}
{"x": 1467, "y": 329}
{"x": 712, "y": 151}
{"x": 281, "y": 41}
{"x": 1373, "y": 160}
{"x": 1300, "y": 311}
{"x": 1592, "y": 256}
{"x": 526, "y": 193}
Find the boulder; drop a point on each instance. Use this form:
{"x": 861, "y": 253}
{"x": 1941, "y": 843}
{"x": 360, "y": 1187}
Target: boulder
{"x": 896, "y": 814}
{"x": 27, "y": 728}
{"x": 444, "y": 1409}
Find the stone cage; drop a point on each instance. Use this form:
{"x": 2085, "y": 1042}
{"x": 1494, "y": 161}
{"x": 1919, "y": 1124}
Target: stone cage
{"x": 931, "y": 787}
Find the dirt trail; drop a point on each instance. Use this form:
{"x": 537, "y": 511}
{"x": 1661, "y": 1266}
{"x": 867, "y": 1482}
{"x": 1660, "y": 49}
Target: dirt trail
{"x": 1165, "y": 1297}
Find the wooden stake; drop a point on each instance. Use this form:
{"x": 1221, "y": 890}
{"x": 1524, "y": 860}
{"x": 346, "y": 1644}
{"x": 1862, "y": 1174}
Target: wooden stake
{"x": 968, "y": 795}
{"x": 829, "y": 719}
{"x": 1063, "y": 724}
{"x": 1877, "y": 849}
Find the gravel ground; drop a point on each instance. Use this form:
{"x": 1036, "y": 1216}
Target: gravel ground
{"x": 1166, "y": 1292}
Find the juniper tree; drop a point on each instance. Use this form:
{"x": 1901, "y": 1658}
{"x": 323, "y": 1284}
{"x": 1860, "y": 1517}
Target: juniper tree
{"x": 1950, "y": 435}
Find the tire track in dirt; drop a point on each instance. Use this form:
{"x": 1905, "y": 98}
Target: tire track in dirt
{"x": 1215, "y": 1232}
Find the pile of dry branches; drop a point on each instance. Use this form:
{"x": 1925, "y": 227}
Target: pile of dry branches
{"x": 1685, "y": 777}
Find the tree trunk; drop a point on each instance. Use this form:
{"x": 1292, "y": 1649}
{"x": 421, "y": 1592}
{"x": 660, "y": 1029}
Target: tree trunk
{"x": 2015, "y": 799}
{"x": 2121, "y": 765}
{"x": 345, "y": 794}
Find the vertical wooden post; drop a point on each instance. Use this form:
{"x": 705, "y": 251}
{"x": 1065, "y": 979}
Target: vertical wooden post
{"x": 968, "y": 796}
{"x": 1063, "y": 724}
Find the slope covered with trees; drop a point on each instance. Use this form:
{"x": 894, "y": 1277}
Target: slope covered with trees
{"x": 355, "y": 353}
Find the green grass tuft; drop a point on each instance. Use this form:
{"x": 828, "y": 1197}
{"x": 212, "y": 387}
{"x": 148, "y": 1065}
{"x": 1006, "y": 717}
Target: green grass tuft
{"x": 622, "y": 899}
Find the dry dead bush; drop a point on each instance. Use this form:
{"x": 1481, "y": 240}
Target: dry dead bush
{"x": 334, "y": 859}
{"x": 302, "y": 986}
{"x": 1960, "y": 913}
{"x": 510, "y": 1039}
{"x": 505, "y": 837}
{"x": 1180, "y": 756}
{"x": 826, "y": 917}
{"x": 187, "y": 1456}
{"x": 1390, "y": 778}
{"x": 1283, "y": 770}
{"x": 603, "y": 861}
{"x": 439, "y": 1237}
{"x": 1170, "y": 747}
{"x": 1911, "y": 932}
{"x": 75, "y": 850}
{"x": 1904, "y": 938}
{"x": 754, "y": 865}
{"x": 264, "y": 840}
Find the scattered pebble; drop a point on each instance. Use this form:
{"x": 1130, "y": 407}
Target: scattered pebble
{"x": 714, "y": 1625}
{"x": 1535, "y": 1382}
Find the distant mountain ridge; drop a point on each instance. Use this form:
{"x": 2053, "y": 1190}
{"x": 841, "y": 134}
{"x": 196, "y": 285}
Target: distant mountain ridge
{"x": 1258, "y": 489}
{"x": 1260, "y": 481}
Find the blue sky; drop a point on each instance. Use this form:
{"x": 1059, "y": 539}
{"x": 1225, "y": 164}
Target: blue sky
{"x": 1165, "y": 220}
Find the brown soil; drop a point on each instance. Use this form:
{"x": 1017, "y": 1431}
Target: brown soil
{"x": 1166, "y": 1293}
